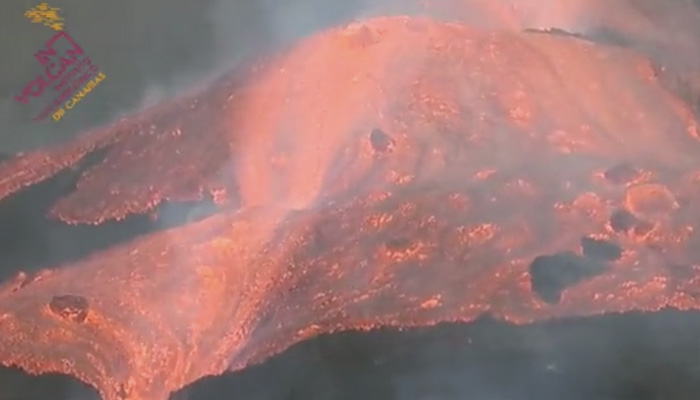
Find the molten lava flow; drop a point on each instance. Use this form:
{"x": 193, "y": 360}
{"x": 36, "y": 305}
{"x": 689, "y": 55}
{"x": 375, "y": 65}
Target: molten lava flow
{"x": 397, "y": 172}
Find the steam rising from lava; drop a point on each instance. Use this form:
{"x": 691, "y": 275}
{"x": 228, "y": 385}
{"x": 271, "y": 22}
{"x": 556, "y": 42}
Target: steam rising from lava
{"x": 400, "y": 171}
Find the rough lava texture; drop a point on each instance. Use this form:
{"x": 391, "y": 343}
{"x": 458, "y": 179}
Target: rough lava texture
{"x": 666, "y": 31}
{"x": 397, "y": 172}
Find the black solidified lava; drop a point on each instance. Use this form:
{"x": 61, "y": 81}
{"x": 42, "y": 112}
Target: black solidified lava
{"x": 622, "y": 220}
{"x": 381, "y": 142}
{"x": 599, "y": 249}
{"x": 556, "y": 31}
{"x": 70, "y": 307}
{"x": 30, "y": 241}
{"x": 571, "y": 359}
{"x": 621, "y": 174}
{"x": 611, "y": 357}
{"x": 597, "y": 35}
{"x": 551, "y": 274}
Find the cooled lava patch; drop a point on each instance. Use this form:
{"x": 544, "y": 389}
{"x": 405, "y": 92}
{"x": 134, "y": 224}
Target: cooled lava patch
{"x": 626, "y": 357}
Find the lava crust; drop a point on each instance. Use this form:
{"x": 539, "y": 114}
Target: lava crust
{"x": 396, "y": 172}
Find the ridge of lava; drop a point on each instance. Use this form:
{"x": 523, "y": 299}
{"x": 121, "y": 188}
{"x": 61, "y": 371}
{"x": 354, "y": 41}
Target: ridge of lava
{"x": 399, "y": 171}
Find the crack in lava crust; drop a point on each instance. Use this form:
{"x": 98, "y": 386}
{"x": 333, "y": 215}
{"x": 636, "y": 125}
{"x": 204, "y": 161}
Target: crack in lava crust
{"x": 398, "y": 172}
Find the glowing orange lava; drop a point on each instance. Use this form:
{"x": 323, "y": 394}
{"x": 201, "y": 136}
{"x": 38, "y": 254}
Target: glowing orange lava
{"x": 396, "y": 172}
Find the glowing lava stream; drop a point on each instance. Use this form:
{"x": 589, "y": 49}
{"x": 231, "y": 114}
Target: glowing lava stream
{"x": 400, "y": 172}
